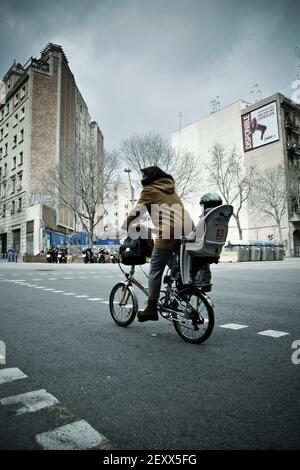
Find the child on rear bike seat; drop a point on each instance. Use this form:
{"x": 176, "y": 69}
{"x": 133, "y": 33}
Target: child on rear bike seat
{"x": 203, "y": 277}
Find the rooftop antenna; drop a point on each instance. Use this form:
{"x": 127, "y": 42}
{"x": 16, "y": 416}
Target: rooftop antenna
{"x": 180, "y": 119}
{"x": 256, "y": 94}
{"x": 215, "y": 105}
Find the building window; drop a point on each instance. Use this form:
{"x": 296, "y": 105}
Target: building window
{"x": 7, "y": 109}
{"x": 1, "y": 152}
{"x": 2, "y": 114}
{"x": 1, "y": 133}
{"x": 3, "y": 210}
{"x": 15, "y": 120}
{"x": 20, "y": 177}
{"x": 19, "y": 204}
{"x": 5, "y": 171}
{"x": 21, "y": 158}
{"x": 23, "y": 91}
{"x": 5, "y": 149}
{"x": 14, "y": 163}
{"x": 14, "y": 141}
{"x": 12, "y": 207}
{"x": 21, "y": 135}
{"x": 22, "y": 113}
{"x": 6, "y": 129}
{"x": 16, "y": 99}
{"x": 13, "y": 184}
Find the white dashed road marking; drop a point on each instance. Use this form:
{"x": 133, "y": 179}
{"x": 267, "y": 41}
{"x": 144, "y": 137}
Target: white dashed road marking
{"x": 81, "y": 296}
{"x": 107, "y": 302}
{"x": 11, "y": 374}
{"x": 49, "y": 288}
{"x": 75, "y": 436}
{"x": 31, "y": 401}
{"x": 69, "y": 293}
{"x": 57, "y": 291}
{"x": 273, "y": 333}
{"x": 233, "y": 326}
{"x": 94, "y": 299}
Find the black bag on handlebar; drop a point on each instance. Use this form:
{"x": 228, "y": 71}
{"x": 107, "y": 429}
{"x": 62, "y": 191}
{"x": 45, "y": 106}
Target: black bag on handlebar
{"x": 132, "y": 252}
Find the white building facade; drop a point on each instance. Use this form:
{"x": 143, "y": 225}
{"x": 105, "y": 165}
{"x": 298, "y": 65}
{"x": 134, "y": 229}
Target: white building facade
{"x": 220, "y": 127}
{"x": 265, "y": 134}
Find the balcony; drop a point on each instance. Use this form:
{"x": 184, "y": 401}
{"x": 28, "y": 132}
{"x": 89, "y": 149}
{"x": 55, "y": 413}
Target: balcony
{"x": 40, "y": 65}
{"x": 293, "y": 147}
{"x": 290, "y": 124}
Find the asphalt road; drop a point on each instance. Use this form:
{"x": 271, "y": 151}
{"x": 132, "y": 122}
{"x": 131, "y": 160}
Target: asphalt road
{"x": 143, "y": 387}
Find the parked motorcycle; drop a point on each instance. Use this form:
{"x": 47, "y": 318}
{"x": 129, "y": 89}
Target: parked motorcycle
{"x": 102, "y": 255}
{"x": 114, "y": 258}
{"x": 89, "y": 256}
{"x": 51, "y": 255}
{"x": 62, "y": 255}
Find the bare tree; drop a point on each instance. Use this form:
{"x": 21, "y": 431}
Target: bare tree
{"x": 269, "y": 195}
{"x": 152, "y": 149}
{"x": 226, "y": 173}
{"x": 82, "y": 184}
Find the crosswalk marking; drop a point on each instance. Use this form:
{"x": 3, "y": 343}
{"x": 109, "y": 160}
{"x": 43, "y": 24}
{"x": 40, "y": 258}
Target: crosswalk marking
{"x": 10, "y": 374}
{"x": 233, "y": 326}
{"x": 31, "y": 401}
{"x": 75, "y": 436}
{"x": 273, "y": 333}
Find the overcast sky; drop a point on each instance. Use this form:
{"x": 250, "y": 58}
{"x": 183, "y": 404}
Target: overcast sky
{"x": 138, "y": 63}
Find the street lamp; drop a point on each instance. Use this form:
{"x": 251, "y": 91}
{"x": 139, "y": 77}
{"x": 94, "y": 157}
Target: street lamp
{"x": 128, "y": 170}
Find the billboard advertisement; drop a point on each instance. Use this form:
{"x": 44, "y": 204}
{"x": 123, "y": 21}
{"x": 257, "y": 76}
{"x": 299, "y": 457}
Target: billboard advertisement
{"x": 260, "y": 127}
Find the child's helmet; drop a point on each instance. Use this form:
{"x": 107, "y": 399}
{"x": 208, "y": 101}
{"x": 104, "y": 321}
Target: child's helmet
{"x": 211, "y": 200}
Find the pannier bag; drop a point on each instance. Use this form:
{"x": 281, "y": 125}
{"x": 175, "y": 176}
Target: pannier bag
{"x": 133, "y": 252}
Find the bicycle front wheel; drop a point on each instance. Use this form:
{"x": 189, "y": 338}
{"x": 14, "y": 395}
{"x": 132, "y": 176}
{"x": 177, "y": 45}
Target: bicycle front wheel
{"x": 194, "y": 317}
{"x": 123, "y": 304}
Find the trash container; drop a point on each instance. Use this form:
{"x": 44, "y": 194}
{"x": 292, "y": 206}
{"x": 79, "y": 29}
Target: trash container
{"x": 267, "y": 251}
{"x": 255, "y": 253}
{"x": 12, "y": 256}
{"x": 278, "y": 252}
{"x": 243, "y": 252}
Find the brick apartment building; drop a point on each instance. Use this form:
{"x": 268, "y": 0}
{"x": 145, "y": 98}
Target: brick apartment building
{"x": 43, "y": 118}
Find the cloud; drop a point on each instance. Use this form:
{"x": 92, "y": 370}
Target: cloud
{"x": 138, "y": 63}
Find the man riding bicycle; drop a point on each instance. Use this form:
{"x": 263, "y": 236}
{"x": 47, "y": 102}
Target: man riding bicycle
{"x": 171, "y": 221}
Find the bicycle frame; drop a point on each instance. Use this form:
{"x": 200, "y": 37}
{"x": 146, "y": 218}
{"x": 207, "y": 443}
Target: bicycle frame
{"x": 168, "y": 292}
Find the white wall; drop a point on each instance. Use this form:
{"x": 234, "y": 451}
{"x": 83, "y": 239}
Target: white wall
{"x": 222, "y": 127}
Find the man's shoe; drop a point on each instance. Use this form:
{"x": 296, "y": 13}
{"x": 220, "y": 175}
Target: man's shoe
{"x": 150, "y": 312}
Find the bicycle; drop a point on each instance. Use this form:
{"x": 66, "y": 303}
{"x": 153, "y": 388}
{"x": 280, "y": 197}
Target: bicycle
{"x": 186, "y": 306}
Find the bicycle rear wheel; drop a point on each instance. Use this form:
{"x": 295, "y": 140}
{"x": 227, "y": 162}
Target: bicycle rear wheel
{"x": 194, "y": 317}
{"x": 123, "y": 304}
